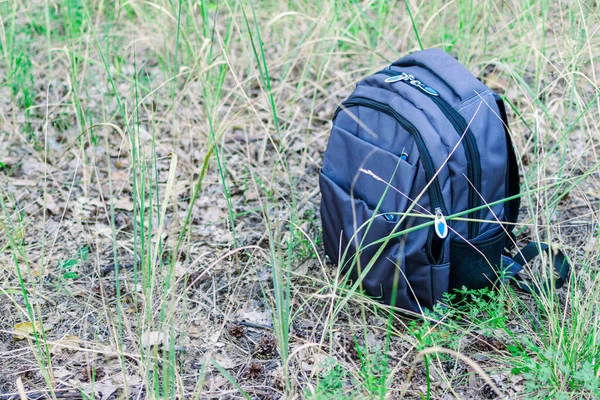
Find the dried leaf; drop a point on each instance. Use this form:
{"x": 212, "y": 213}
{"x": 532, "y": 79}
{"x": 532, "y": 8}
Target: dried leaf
{"x": 10, "y": 161}
{"x": 69, "y": 342}
{"x": 225, "y": 361}
{"x": 123, "y": 203}
{"x": 257, "y": 317}
{"x": 250, "y": 195}
{"x": 106, "y": 389}
{"x": 194, "y": 331}
{"x": 52, "y": 319}
{"x": 180, "y": 269}
{"x": 213, "y": 214}
{"x": 23, "y": 182}
{"x": 25, "y": 329}
{"x": 154, "y": 338}
{"x": 49, "y": 203}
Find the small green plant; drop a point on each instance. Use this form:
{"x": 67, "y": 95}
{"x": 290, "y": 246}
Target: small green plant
{"x": 21, "y": 76}
{"x": 374, "y": 371}
{"x": 330, "y": 384}
{"x": 547, "y": 371}
{"x": 301, "y": 243}
{"x": 485, "y": 306}
{"x": 335, "y": 382}
{"x": 66, "y": 266}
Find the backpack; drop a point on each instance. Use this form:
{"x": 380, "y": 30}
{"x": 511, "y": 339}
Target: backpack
{"x": 420, "y": 185}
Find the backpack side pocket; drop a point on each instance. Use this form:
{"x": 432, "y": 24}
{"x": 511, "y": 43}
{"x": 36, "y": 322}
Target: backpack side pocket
{"x": 475, "y": 264}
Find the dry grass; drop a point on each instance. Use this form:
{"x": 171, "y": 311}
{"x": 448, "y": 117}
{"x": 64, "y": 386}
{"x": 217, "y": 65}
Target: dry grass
{"x": 159, "y": 204}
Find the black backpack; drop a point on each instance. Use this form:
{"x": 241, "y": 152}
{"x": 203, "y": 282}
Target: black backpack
{"x": 414, "y": 147}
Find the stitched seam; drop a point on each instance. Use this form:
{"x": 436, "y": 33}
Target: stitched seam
{"x": 472, "y": 100}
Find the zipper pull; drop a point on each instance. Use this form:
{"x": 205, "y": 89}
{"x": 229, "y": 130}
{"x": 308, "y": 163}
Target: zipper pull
{"x": 429, "y": 90}
{"x": 410, "y": 78}
{"x": 403, "y": 155}
{"x": 441, "y": 227}
{"x": 389, "y": 217}
{"x": 397, "y": 78}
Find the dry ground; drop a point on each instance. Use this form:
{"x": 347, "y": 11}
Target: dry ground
{"x": 159, "y": 230}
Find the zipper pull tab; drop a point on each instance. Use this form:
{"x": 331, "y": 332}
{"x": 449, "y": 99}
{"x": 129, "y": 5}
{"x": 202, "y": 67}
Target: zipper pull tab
{"x": 404, "y": 155}
{"x": 402, "y": 77}
{"x": 429, "y": 90}
{"x": 441, "y": 227}
{"x": 389, "y": 217}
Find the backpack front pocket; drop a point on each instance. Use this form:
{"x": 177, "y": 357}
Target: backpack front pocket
{"x": 366, "y": 171}
{"x": 354, "y": 235}
{"x": 435, "y": 192}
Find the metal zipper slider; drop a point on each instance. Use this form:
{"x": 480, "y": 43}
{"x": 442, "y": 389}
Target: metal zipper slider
{"x": 441, "y": 227}
{"x": 427, "y": 89}
{"x": 402, "y": 77}
{"x": 410, "y": 78}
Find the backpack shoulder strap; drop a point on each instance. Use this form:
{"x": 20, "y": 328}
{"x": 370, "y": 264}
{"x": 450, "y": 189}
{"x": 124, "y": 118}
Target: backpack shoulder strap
{"x": 529, "y": 252}
{"x": 511, "y": 212}
{"x": 511, "y": 207}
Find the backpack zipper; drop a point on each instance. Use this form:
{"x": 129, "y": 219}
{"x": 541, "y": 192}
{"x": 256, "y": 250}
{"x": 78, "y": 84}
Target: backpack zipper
{"x": 435, "y": 191}
{"x": 441, "y": 227}
{"x": 459, "y": 124}
{"x": 414, "y": 63}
